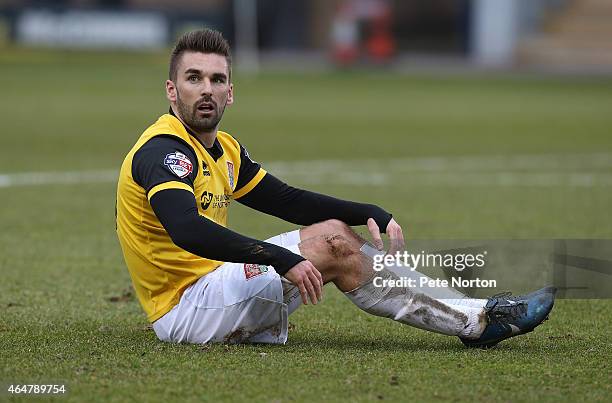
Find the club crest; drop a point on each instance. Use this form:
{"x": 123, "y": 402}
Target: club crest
{"x": 179, "y": 164}
{"x": 230, "y": 173}
{"x": 254, "y": 270}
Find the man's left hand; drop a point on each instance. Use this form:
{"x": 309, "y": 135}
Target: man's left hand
{"x": 393, "y": 230}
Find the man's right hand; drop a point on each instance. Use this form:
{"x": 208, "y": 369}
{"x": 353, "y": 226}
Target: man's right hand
{"x": 308, "y": 280}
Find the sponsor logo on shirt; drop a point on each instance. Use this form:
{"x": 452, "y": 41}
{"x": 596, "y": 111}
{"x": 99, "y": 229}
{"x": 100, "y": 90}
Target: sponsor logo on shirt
{"x": 214, "y": 201}
{"x": 179, "y": 164}
{"x": 206, "y": 199}
{"x": 254, "y": 270}
{"x": 230, "y": 173}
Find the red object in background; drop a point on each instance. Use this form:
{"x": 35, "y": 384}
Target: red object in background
{"x": 377, "y": 41}
{"x": 380, "y": 43}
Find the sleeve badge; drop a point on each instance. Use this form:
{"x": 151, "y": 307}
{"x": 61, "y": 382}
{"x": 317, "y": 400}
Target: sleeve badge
{"x": 179, "y": 164}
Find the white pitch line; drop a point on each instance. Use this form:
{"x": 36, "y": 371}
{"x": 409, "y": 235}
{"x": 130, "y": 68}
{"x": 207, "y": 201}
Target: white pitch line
{"x": 57, "y": 178}
{"x": 543, "y": 170}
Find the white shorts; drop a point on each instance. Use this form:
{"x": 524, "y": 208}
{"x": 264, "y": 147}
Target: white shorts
{"x": 236, "y": 303}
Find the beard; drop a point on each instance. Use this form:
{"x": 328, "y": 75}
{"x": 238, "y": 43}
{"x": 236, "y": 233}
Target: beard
{"x": 189, "y": 114}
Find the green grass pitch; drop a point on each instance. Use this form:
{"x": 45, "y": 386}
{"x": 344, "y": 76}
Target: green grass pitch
{"x": 450, "y": 156}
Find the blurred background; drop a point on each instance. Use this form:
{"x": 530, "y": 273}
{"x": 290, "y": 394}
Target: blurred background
{"x": 567, "y": 35}
{"x": 468, "y": 120}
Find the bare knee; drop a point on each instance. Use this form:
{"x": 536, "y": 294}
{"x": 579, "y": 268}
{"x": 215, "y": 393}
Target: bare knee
{"x": 338, "y": 246}
{"x": 346, "y": 257}
{"x": 349, "y": 267}
{"x": 337, "y": 258}
{"x": 341, "y": 245}
{"x": 331, "y": 250}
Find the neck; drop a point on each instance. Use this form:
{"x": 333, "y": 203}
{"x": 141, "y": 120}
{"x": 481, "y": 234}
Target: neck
{"x": 205, "y": 137}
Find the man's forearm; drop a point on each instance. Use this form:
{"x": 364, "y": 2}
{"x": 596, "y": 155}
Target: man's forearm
{"x": 274, "y": 197}
{"x": 177, "y": 212}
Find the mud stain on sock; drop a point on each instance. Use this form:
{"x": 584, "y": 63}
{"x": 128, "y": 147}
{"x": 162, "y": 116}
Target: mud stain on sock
{"x": 408, "y": 306}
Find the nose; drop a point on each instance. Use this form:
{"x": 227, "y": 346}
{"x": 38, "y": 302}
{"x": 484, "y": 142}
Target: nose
{"x": 206, "y": 87}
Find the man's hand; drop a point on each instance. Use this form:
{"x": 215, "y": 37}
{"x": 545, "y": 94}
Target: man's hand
{"x": 308, "y": 280}
{"x": 394, "y": 231}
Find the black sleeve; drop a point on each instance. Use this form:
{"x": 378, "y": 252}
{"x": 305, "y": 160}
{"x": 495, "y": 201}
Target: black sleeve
{"x": 164, "y": 159}
{"x": 178, "y": 213}
{"x": 274, "y": 197}
{"x": 248, "y": 169}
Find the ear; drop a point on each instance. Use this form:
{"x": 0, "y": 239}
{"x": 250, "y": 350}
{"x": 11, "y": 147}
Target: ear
{"x": 170, "y": 91}
{"x": 230, "y": 95}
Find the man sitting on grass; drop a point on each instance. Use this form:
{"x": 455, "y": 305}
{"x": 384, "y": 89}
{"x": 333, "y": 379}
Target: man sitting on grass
{"x": 200, "y": 282}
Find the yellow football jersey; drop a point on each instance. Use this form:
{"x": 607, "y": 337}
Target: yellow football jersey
{"x": 159, "y": 269}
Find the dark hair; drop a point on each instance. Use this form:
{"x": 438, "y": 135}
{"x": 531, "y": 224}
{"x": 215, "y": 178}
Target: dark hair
{"x": 204, "y": 41}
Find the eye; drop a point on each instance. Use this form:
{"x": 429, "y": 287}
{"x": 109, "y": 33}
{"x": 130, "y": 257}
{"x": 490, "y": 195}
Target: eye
{"x": 219, "y": 80}
{"x": 193, "y": 78}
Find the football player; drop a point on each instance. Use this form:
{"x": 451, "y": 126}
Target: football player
{"x": 200, "y": 282}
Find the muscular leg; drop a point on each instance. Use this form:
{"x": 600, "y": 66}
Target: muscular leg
{"x": 334, "y": 249}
